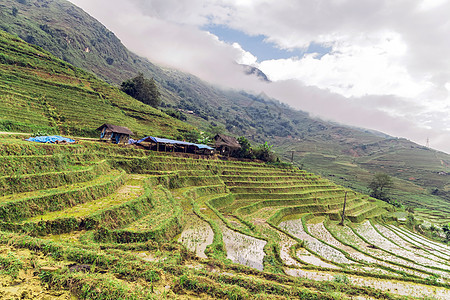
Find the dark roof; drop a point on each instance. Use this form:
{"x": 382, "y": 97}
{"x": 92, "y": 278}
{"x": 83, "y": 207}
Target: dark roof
{"x": 225, "y": 140}
{"x": 115, "y": 128}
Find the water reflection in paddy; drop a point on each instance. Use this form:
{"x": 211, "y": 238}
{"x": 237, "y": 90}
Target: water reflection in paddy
{"x": 197, "y": 234}
{"x": 243, "y": 249}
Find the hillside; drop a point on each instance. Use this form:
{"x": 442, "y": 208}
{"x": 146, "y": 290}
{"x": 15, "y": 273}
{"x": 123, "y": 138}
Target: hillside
{"x": 42, "y": 93}
{"x": 348, "y": 156}
{"x": 420, "y": 174}
{"x": 67, "y": 31}
{"x": 98, "y": 221}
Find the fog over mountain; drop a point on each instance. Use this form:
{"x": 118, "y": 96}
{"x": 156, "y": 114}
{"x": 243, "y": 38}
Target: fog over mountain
{"x": 374, "y": 64}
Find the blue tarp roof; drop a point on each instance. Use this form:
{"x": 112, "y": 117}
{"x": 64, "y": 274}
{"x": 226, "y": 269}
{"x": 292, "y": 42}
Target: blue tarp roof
{"x": 167, "y": 141}
{"x": 50, "y": 139}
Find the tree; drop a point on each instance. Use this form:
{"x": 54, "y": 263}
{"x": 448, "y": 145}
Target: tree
{"x": 190, "y": 136}
{"x": 214, "y": 129}
{"x": 378, "y": 186}
{"x": 175, "y": 114}
{"x": 446, "y": 229}
{"x": 246, "y": 148}
{"x": 264, "y": 152}
{"x": 142, "y": 89}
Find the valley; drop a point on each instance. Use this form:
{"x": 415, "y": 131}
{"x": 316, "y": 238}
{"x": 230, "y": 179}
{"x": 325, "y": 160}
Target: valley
{"x": 346, "y": 155}
{"x": 95, "y": 220}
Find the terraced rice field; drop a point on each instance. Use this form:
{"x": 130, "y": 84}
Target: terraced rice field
{"x": 169, "y": 226}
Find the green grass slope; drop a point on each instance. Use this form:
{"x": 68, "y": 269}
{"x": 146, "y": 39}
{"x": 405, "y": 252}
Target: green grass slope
{"x": 348, "y": 156}
{"x": 420, "y": 174}
{"x": 41, "y": 92}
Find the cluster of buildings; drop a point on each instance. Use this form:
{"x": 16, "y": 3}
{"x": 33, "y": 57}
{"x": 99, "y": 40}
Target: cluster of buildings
{"x": 223, "y": 144}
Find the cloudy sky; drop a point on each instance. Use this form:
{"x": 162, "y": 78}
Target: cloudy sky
{"x": 378, "y": 64}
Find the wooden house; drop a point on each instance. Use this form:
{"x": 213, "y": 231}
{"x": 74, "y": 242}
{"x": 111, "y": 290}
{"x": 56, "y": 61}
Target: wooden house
{"x": 226, "y": 145}
{"x": 115, "y": 134}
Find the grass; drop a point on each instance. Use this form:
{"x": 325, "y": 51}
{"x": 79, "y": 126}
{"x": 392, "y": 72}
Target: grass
{"x": 347, "y": 156}
{"x": 415, "y": 172}
{"x": 32, "y": 82}
{"x": 96, "y": 205}
{"x": 142, "y": 212}
{"x": 132, "y": 188}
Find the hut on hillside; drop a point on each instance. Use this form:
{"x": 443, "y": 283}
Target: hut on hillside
{"x": 114, "y": 133}
{"x": 225, "y": 144}
{"x": 166, "y": 145}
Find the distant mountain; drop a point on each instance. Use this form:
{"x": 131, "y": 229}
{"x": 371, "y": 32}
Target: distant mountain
{"x": 349, "y": 156}
{"x": 250, "y": 70}
{"x": 72, "y": 35}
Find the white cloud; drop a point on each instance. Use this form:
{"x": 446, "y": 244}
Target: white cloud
{"x": 425, "y": 5}
{"x": 144, "y": 29}
{"x": 388, "y": 69}
{"x": 357, "y": 66}
{"x": 246, "y": 57}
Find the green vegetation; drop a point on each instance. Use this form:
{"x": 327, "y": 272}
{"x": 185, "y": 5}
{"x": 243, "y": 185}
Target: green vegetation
{"x": 446, "y": 230}
{"x": 42, "y": 93}
{"x": 263, "y": 152}
{"x": 379, "y": 186}
{"x": 142, "y": 89}
{"x": 10, "y": 265}
{"x": 347, "y": 156}
{"x": 99, "y": 221}
{"x": 117, "y": 230}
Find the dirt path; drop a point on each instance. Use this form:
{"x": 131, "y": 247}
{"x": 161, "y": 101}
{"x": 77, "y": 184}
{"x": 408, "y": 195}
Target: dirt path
{"x": 20, "y": 133}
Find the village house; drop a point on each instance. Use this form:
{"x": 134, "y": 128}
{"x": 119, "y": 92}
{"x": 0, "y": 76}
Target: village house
{"x": 115, "y": 134}
{"x": 167, "y": 145}
{"x": 226, "y": 145}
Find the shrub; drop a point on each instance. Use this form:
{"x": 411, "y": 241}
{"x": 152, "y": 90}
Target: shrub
{"x": 175, "y": 114}
{"x": 340, "y": 278}
{"x": 246, "y": 150}
{"x": 10, "y": 265}
{"x": 264, "y": 152}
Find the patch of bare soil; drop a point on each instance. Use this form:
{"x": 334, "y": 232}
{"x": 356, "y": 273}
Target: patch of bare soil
{"x": 28, "y": 286}
{"x": 20, "y": 280}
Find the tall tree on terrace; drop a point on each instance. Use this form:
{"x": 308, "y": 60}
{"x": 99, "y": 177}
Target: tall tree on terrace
{"x": 142, "y": 89}
{"x": 446, "y": 229}
{"x": 379, "y": 184}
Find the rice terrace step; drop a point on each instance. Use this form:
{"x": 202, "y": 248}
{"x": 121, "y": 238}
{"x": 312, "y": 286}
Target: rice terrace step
{"x": 192, "y": 216}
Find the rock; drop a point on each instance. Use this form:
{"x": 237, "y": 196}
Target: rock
{"x": 80, "y": 268}
{"x": 49, "y": 269}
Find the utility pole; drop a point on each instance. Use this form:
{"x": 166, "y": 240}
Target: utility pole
{"x": 343, "y": 210}
{"x": 428, "y": 143}
{"x": 292, "y": 155}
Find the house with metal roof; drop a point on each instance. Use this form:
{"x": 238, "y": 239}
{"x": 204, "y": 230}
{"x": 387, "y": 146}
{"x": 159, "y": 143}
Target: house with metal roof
{"x": 114, "y": 133}
{"x": 167, "y": 145}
